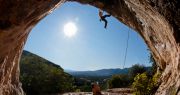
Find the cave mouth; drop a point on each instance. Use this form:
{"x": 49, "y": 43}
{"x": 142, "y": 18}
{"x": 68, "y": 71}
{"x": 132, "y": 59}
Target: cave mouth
{"x": 112, "y": 42}
{"x": 108, "y": 46}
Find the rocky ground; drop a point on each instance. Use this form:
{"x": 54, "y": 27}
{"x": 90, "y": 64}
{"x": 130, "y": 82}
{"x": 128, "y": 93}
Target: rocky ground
{"x": 117, "y": 91}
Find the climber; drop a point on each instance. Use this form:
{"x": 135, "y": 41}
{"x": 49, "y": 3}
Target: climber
{"x": 103, "y": 18}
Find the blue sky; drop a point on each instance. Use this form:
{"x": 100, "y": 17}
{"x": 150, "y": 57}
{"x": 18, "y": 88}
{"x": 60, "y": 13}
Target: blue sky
{"x": 92, "y": 47}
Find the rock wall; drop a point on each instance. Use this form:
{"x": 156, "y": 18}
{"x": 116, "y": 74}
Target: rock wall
{"x": 17, "y": 18}
{"x": 157, "y": 21}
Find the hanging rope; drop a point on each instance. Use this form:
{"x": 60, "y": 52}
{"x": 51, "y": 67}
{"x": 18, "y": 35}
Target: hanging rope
{"x": 126, "y": 48}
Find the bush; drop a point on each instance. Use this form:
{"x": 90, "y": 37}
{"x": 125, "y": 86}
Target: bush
{"x": 153, "y": 83}
{"x": 136, "y": 69}
{"x": 140, "y": 84}
{"x": 118, "y": 81}
{"x": 143, "y": 85}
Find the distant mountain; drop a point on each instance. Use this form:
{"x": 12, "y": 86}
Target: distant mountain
{"x": 102, "y": 72}
{"x": 67, "y": 70}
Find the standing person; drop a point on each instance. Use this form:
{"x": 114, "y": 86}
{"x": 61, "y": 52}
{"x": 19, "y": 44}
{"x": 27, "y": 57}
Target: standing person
{"x": 96, "y": 89}
{"x": 103, "y": 17}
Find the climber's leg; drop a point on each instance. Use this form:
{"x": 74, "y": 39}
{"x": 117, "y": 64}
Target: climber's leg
{"x": 106, "y": 16}
{"x": 105, "y": 21}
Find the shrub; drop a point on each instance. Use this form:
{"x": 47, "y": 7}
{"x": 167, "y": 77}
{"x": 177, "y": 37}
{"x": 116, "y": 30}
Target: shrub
{"x": 136, "y": 69}
{"x": 143, "y": 85}
{"x": 118, "y": 81}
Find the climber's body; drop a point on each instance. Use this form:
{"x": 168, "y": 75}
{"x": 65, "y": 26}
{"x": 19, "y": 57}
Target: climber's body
{"x": 103, "y": 17}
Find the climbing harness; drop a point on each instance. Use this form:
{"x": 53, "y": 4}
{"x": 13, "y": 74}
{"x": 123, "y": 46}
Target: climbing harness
{"x": 127, "y": 44}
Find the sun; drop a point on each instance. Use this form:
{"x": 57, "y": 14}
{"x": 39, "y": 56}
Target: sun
{"x": 70, "y": 29}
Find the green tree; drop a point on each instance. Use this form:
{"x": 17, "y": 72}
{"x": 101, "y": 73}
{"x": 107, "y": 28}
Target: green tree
{"x": 140, "y": 84}
{"x": 136, "y": 69}
{"x": 118, "y": 81}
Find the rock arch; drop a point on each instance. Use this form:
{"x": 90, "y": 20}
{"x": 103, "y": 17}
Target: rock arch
{"x": 157, "y": 21}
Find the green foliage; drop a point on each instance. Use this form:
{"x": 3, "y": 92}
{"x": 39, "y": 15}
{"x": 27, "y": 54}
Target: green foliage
{"x": 140, "y": 84}
{"x": 118, "y": 81}
{"x": 143, "y": 85}
{"x": 77, "y": 90}
{"x": 39, "y": 76}
{"x": 153, "y": 83}
{"x": 136, "y": 69}
{"x": 83, "y": 84}
{"x": 147, "y": 82}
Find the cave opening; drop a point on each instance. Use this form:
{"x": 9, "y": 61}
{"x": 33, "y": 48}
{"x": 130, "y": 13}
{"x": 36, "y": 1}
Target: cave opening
{"x": 91, "y": 48}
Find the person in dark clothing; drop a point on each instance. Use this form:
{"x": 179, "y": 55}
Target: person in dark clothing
{"x": 103, "y": 18}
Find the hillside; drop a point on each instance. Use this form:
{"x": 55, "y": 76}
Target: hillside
{"x": 28, "y": 57}
{"x": 39, "y": 76}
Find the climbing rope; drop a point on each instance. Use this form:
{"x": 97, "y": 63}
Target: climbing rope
{"x": 127, "y": 44}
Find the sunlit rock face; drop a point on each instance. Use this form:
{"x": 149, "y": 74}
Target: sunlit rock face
{"x": 157, "y": 21}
